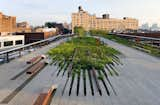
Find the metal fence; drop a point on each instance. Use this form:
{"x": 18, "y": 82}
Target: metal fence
{"x": 5, "y": 55}
{"x": 141, "y": 37}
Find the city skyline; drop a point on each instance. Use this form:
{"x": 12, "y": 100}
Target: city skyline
{"x": 146, "y": 11}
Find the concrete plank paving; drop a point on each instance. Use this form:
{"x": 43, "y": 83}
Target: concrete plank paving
{"x": 9, "y": 70}
{"x": 137, "y": 84}
{"x": 137, "y": 75}
{"x": 57, "y": 97}
{"x": 81, "y": 97}
{"x": 65, "y": 99}
{"x": 60, "y": 81}
{"x": 73, "y": 97}
{"x": 89, "y": 98}
{"x": 34, "y": 88}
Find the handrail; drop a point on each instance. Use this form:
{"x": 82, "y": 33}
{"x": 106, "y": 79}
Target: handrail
{"x": 35, "y": 43}
{"x": 142, "y": 37}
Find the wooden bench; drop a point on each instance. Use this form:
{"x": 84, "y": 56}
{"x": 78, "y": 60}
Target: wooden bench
{"x": 40, "y": 99}
{"x": 45, "y": 98}
{"x": 35, "y": 59}
{"x": 35, "y": 68}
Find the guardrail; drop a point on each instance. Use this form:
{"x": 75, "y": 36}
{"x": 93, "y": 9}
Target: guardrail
{"x": 141, "y": 37}
{"x": 32, "y": 45}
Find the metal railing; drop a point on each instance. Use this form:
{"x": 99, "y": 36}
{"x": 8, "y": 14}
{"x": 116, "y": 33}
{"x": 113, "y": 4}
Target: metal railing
{"x": 32, "y": 45}
{"x": 141, "y": 37}
{"x": 154, "y": 42}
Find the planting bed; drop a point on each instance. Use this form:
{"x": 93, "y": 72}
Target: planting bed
{"x": 139, "y": 46}
{"x": 90, "y": 57}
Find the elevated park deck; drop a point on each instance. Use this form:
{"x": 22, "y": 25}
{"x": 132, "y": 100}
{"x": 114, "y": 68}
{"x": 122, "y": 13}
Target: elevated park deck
{"x": 138, "y": 82}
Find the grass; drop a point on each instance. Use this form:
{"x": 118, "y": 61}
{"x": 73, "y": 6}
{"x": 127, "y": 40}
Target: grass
{"x": 143, "y": 47}
{"x": 88, "y": 56}
{"x": 83, "y": 53}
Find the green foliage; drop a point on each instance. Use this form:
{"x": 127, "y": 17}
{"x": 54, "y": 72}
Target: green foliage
{"x": 79, "y": 31}
{"x": 88, "y": 55}
{"x": 50, "y": 24}
{"x": 100, "y": 77}
{"x": 98, "y": 32}
{"x": 153, "y": 51}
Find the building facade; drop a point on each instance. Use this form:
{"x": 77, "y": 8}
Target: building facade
{"x": 11, "y": 41}
{"x": 90, "y": 22}
{"x": 23, "y": 27}
{"x": 31, "y": 37}
{"x": 7, "y": 23}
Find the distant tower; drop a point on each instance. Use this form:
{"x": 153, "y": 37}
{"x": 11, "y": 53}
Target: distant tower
{"x": 80, "y": 8}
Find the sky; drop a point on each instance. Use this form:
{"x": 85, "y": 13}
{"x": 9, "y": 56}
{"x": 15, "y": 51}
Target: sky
{"x": 37, "y": 12}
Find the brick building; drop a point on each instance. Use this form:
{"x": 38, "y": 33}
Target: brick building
{"x": 89, "y": 22}
{"x": 31, "y": 37}
{"x": 23, "y": 27}
{"x": 7, "y": 23}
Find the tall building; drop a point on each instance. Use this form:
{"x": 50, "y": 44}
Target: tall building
{"x": 23, "y": 27}
{"x": 89, "y": 22}
{"x": 7, "y": 23}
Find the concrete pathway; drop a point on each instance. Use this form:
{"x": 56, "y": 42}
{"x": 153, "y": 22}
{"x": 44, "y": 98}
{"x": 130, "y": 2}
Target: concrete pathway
{"x": 137, "y": 84}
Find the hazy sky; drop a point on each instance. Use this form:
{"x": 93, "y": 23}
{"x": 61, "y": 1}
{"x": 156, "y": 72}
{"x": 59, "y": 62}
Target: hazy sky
{"x": 36, "y": 12}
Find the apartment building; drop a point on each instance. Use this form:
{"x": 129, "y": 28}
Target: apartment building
{"x": 89, "y": 22}
{"x": 7, "y": 23}
{"x": 23, "y": 27}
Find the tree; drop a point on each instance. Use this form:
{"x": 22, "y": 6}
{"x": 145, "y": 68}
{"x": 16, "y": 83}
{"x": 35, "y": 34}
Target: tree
{"x": 98, "y": 32}
{"x": 59, "y": 26}
{"x": 145, "y": 26}
{"x": 66, "y": 31}
{"x": 79, "y": 31}
{"x": 50, "y": 24}
{"x": 155, "y": 27}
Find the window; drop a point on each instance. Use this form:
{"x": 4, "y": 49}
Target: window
{"x": 19, "y": 42}
{"x": 8, "y": 43}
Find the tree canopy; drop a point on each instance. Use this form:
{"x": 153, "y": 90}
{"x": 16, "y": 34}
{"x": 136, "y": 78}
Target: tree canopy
{"x": 98, "y": 32}
{"x": 79, "y": 31}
